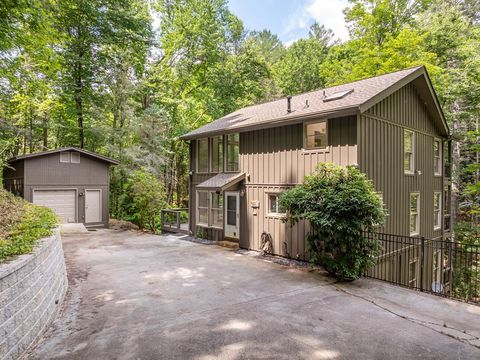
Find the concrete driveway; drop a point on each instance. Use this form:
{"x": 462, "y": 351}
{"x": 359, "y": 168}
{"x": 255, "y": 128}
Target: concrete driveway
{"x": 140, "y": 296}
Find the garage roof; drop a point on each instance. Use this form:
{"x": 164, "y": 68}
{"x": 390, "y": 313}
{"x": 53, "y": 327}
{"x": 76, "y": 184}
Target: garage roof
{"x": 70, "y": 148}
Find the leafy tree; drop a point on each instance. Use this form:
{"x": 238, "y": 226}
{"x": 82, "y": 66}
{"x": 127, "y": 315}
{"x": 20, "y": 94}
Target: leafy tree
{"x": 144, "y": 198}
{"x": 298, "y": 70}
{"x": 339, "y": 203}
{"x": 269, "y": 45}
{"x": 323, "y": 35}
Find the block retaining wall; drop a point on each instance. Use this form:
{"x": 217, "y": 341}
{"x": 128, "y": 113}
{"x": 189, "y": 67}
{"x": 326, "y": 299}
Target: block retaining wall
{"x": 32, "y": 288}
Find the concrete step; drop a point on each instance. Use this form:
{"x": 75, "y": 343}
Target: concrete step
{"x": 228, "y": 244}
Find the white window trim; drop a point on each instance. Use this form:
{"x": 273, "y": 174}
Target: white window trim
{"x": 267, "y": 205}
{"x": 417, "y": 232}
{"x": 411, "y": 171}
{"x": 439, "y": 216}
{"x": 197, "y": 212}
{"x": 440, "y": 152}
{"x": 198, "y": 156}
{"x": 63, "y": 153}
{"x": 210, "y": 208}
{"x": 314, "y": 149}
{"x": 71, "y": 157}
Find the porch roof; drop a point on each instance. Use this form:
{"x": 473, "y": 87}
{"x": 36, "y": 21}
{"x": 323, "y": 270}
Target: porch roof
{"x": 221, "y": 181}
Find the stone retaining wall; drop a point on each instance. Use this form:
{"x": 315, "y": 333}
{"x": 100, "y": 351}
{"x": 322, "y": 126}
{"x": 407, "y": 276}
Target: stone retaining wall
{"x": 32, "y": 288}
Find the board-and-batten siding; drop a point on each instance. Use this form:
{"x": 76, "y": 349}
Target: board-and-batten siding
{"x": 275, "y": 160}
{"x": 380, "y": 154}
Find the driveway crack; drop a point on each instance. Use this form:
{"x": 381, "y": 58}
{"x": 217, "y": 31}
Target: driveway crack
{"x": 427, "y": 324}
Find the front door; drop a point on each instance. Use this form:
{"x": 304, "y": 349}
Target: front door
{"x": 232, "y": 214}
{"x": 93, "y": 206}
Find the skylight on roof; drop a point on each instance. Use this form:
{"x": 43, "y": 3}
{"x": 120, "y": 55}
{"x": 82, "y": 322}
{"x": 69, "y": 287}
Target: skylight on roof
{"x": 338, "y": 95}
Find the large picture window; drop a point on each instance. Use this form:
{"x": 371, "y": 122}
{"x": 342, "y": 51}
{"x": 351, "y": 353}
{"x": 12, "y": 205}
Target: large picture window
{"x": 414, "y": 214}
{"x": 202, "y": 208}
{"x": 437, "y": 157}
{"x": 437, "y": 213}
{"x": 202, "y": 155}
{"x": 217, "y": 154}
{"x": 233, "y": 154}
{"x": 408, "y": 151}
{"x": 316, "y": 136}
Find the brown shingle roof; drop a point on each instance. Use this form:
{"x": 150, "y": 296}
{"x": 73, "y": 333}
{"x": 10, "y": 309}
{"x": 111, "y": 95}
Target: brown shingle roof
{"x": 261, "y": 115}
{"x": 221, "y": 181}
{"x": 70, "y": 148}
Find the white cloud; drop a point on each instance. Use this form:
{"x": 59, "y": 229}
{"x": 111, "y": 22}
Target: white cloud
{"x": 326, "y": 12}
{"x": 330, "y": 14}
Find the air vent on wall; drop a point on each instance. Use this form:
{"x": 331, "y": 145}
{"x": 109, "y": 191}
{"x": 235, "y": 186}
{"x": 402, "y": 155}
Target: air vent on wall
{"x": 337, "y": 95}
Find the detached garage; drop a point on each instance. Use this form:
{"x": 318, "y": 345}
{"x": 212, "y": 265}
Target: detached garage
{"x": 71, "y": 181}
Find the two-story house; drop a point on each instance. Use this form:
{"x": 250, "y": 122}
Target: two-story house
{"x": 390, "y": 126}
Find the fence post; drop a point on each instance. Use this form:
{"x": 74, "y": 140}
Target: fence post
{"x": 178, "y": 219}
{"x": 422, "y": 262}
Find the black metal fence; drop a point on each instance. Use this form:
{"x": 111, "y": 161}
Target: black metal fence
{"x": 440, "y": 267}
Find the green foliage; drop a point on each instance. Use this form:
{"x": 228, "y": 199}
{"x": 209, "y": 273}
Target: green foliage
{"x": 466, "y": 261}
{"x": 339, "y": 203}
{"x": 143, "y": 200}
{"x": 26, "y": 224}
{"x": 298, "y": 69}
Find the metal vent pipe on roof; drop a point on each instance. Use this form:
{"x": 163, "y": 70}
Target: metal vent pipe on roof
{"x": 289, "y": 104}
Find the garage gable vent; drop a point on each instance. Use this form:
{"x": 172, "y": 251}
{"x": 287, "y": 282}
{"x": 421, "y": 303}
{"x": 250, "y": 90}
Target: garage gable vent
{"x": 65, "y": 157}
{"x": 75, "y": 157}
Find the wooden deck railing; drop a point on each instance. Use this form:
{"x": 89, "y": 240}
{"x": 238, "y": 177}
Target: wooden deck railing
{"x": 172, "y": 220}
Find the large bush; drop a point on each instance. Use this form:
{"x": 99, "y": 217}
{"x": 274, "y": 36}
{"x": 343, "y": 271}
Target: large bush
{"x": 340, "y": 203}
{"x": 144, "y": 199}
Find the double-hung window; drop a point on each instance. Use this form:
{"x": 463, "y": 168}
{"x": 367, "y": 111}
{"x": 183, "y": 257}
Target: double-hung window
{"x": 437, "y": 157}
{"x": 202, "y": 155}
{"x": 316, "y": 135}
{"x": 216, "y": 210}
{"x": 408, "y": 151}
{"x": 202, "y": 207}
{"x": 437, "y": 213}
{"x": 414, "y": 214}
{"x": 233, "y": 153}
{"x": 209, "y": 209}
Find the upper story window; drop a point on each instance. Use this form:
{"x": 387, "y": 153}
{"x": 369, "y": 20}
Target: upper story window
{"x": 70, "y": 157}
{"x": 408, "y": 151}
{"x": 414, "y": 214}
{"x": 233, "y": 153}
{"x": 437, "y": 157}
{"x": 217, "y": 154}
{"x": 437, "y": 213}
{"x": 202, "y": 155}
{"x": 316, "y": 135}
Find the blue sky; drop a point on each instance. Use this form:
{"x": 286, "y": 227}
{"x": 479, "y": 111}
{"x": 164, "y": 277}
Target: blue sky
{"x": 290, "y": 19}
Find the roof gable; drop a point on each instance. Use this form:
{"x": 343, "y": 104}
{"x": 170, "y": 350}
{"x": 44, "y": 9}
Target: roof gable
{"x": 70, "y": 148}
{"x": 359, "y": 96}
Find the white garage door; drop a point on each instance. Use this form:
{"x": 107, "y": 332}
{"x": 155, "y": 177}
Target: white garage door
{"x": 61, "y": 201}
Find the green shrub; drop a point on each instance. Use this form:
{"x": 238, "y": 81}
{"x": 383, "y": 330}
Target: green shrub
{"x": 37, "y": 222}
{"x": 466, "y": 261}
{"x": 144, "y": 199}
{"x": 340, "y": 203}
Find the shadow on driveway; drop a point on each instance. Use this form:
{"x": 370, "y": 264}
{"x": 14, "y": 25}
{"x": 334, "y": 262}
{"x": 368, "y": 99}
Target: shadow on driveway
{"x": 141, "y": 296}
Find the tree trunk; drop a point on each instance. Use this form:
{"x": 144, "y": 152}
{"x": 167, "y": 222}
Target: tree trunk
{"x": 78, "y": 94}
{"x": 45, "y": 131}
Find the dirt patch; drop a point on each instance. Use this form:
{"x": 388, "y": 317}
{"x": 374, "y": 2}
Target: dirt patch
{"x": 115, "y": 224}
